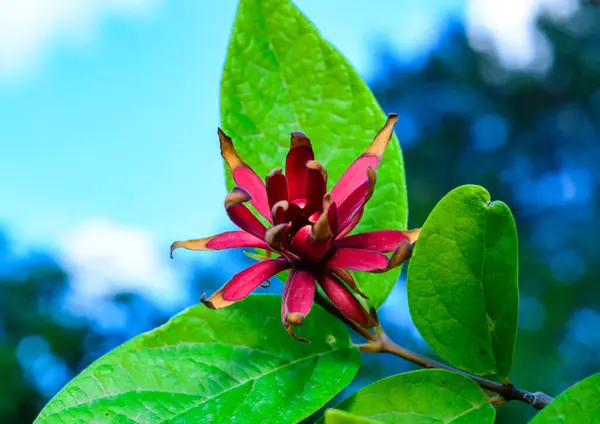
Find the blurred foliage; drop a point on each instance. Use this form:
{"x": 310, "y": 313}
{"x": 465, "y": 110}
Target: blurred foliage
{"x": 46, "y": 337}
{"x": 531, "y": 138}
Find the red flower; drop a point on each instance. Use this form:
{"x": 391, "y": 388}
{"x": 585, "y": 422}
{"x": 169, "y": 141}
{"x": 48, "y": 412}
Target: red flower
{"x": 308, "y": 230}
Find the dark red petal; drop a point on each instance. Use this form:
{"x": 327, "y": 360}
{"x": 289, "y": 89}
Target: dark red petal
{"x": 279, "y": 211}
{"x": 276, "y": 187}
{"x": 297, "y": 299}
{"x": 347, "y": 278}
{"x": 227, "y": 240}
{"x": 353, "y": 223}
{"x": 344, "y": 300}
{"x": 358, "y": 260}
{"x": 307, "y": 247}
{"x": 383, "y": 241}
{"x": 354, "y": 175}
{"x": 246, "y": 281}
{"x": 316, "y": 187}
{"x": 300, "y": 203}
{"x": 244, "y": 176}
{"x": 277, "y": 239}
{"x": 354, "y": 204}
{"x": 240, "y": 215}
{"x": 295, "y": 164}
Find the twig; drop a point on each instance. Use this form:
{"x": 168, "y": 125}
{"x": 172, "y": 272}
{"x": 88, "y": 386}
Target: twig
{"x": 381, "y": 343}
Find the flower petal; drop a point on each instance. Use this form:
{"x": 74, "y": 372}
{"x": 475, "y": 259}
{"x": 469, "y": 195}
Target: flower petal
{"x": 295, "y": 164}
{"x": 245, "y": 282}
{"x": 297, "y": 299}
{"x": 240, "y": 215}
{"x": 244, "y": 176}
{"x": 316, "y": 187}
{"x": 383, "y": 241}
{"x": 347, "y": 278}
{"x": 344, "y": 300}
{"x": 371, "y": 157}
{"x": 307, "y": 246}
{"x": 277, "y": 189}
{"x": 354, "y": 204}
{"x": 226, "y": 240}
{"x": 358, "y": 260}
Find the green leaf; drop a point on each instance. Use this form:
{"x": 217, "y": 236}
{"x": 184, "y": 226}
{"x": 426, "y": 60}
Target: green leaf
{"x": 281, "y": 76}
{"x": 580, "y": 403}
{"x": 419, "y": 397}
{"x": 235, "y": 365}
{"x": 462, "y": 282}
{"x": 335, "y": 416}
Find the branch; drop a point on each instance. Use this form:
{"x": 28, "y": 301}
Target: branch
{"x": 508, "y": 391}
{"x": 381, "y": 343}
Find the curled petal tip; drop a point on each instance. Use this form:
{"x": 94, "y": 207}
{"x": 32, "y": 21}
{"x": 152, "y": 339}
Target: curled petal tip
{"x": 275, "y": 236}
{"x": 298, "y": 138}
{"x": 216, "y": 301}
{"x": 174, "y": 246}
{"x": 317, "y": 166}
{"x": 236, "y": 196}
{"x": 279, "y": 211}
{"x": 327, "y": 200}
{"x": 374, "y": 317}
{"x": 321, "y": 229}
{"x": 413, "y": 235}
{"x": 206, "y": 302}
{"x": 402, "y": 253}
{"x": 295, "y": 318}
{"x": 275, "y": 171}
{"x": 383, "y": 137}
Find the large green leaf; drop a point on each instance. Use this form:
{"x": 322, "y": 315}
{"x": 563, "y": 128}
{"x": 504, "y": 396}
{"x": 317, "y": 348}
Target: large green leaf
{"x": 580, "y": 403}
{"x": 335, "y": 416}
{"x": 419, "y": 397}
{"x": 232, "y": 365}
{"x": 281, "y": 76}
{"x": 462, "y": 282}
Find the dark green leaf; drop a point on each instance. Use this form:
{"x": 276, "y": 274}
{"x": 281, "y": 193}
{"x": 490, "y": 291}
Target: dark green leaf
{"x": 580, "y": 403}
{"x": 420, "y": 397}
{"x": 281, "y": 76}
{"x": 235, "y": 365}
{"x": 462, "y": 282}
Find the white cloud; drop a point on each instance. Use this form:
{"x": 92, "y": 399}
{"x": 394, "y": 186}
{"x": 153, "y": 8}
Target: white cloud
{"x": 104, "y": 258}
{"x": 29, "y": 28}
{"x": 510, "y": 27}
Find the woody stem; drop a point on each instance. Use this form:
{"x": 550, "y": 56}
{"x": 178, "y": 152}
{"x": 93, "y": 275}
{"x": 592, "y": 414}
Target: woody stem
{"x": 379, "y": 342}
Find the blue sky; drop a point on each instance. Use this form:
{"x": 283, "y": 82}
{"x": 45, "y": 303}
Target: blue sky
{"x": 124, "y": 127}
{"x": 109, "y": 110}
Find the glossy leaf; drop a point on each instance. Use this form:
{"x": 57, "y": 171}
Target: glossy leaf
{"x": 335, "y": 416}
{"x": 235, "y": 365}
{"x": 580, "y": 403}
{"x": 281, "y": 76}
{"x": 419, "y": 397}
{"x": 462, "y": 282}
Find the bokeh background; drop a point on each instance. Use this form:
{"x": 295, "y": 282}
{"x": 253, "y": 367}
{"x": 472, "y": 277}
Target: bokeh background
{"x": 108, "y": 153}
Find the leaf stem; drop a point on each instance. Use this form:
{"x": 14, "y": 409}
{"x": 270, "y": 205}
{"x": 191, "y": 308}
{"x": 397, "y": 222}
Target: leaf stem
{"x": 379, "y": 342}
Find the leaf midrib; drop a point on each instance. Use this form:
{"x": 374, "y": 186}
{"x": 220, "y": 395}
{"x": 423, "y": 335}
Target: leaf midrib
{"x": 204, "y": 400}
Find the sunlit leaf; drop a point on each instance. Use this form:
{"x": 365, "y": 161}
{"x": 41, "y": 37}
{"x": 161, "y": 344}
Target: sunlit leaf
{"x": 462, "y": 282}
{"x": 235, "y": 365}
{"x": 281, "y": 76}
{"x": 580, "y": 403}
{"x": 418, "y": 397}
